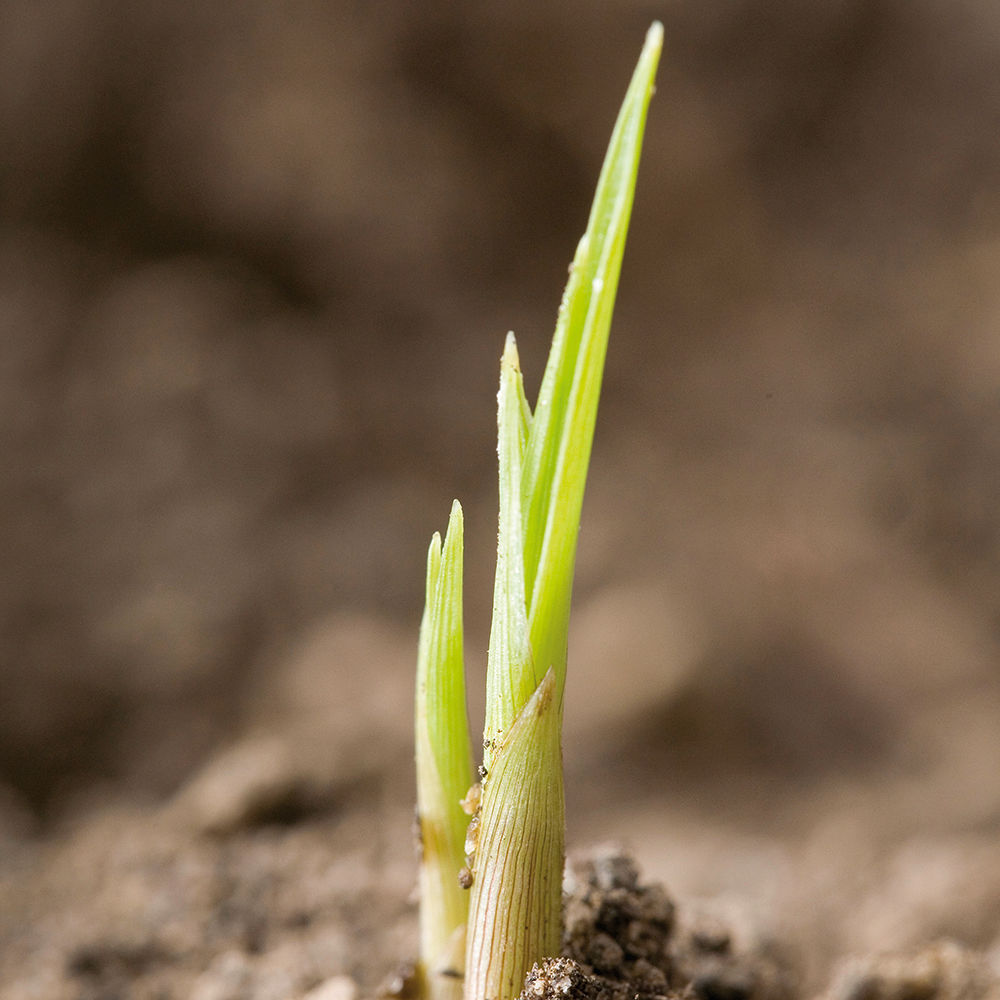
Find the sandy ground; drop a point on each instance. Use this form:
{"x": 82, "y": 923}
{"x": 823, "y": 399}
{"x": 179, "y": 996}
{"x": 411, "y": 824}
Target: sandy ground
{"x": 256, "y": 265}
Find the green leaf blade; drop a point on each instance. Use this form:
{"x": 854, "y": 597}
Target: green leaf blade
{"x": 562, "y": 430}
{"x": 510, "y": 673}
{"x": 443, "y": 761}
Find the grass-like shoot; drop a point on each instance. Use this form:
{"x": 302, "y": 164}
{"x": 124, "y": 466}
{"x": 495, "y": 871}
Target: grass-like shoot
{"x": 444, "y": 766}
{"x": 494, "y": 882}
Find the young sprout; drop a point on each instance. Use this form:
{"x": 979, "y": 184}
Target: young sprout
{"x": 514, "y": 847}
{"x": 444, "y": 767}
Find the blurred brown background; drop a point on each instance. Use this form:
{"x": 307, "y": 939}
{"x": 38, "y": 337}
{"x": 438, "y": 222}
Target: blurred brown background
{"x": 256, "y": 264}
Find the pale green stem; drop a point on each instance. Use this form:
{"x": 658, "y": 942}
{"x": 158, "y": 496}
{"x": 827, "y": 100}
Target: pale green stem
{"x": 517, "y": 893}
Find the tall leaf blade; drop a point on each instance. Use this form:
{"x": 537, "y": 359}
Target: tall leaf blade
{"x": 562, "y": 430}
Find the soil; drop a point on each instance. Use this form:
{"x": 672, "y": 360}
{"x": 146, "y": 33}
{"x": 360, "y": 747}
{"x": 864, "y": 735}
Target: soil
{"x": 256, "y": 266}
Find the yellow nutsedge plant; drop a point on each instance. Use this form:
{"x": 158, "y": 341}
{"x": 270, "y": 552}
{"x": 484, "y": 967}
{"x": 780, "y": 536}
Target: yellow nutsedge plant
{"x": 490, "y": 886}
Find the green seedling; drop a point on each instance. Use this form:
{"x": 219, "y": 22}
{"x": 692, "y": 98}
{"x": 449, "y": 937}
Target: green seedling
{"x": 490, "y": 886}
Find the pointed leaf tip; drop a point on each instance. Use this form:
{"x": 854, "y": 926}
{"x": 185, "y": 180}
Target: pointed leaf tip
{"x": 510, "y": 359}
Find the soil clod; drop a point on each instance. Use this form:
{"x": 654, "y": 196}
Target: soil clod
{"x": 621, "y": 943}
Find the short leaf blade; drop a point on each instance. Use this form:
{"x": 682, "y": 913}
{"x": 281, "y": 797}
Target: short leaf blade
{"x": 510, "y": 673}
{"x": 444, "y": 763}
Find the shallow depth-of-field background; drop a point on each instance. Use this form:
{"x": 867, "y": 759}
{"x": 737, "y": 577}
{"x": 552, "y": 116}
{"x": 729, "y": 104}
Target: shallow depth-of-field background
{"x": 256, "y": 265}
